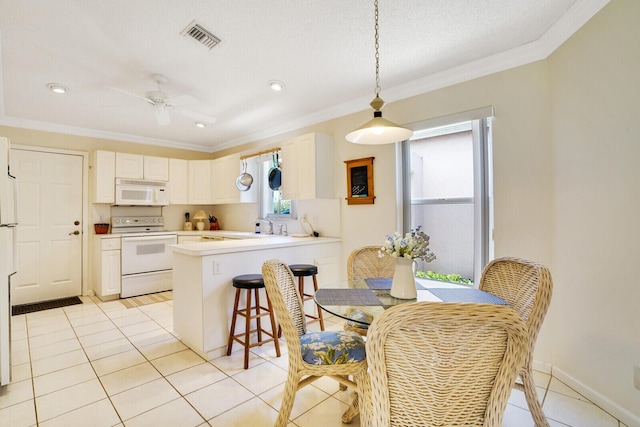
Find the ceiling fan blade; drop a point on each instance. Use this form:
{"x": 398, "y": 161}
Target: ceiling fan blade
{"x": 180, "y": 100}
{"x": 129, "y": 94}
{"x": 194, "y": 115}
{"x": 162, "y": 117}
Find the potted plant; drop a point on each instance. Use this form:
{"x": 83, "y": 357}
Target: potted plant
{"x": 213, "y": 223}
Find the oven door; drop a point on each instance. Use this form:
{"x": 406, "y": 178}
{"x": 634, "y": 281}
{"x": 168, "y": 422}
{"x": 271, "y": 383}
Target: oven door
{"x": 145, "y": 254}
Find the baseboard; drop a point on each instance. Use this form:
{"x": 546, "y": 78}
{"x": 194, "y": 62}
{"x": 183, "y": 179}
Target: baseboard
{"x": 631, "y": 420}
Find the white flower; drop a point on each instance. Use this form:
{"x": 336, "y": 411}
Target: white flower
{"x": 414, "y": 245}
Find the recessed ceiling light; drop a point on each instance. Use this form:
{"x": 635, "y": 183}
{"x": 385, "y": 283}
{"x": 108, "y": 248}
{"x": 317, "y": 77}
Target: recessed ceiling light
{"x": 57, "y": 88}
{"x": 200, "y": 124}
{"x": 276, "y": 85}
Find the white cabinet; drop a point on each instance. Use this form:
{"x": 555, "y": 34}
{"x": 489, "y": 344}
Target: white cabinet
{"x": 224, "y": 172}
{"x": 199, "y": 182}
{"x": 129, "y": 166}
{"x": 136, "y": 166}
{"x": 156, "y": 168}
{"x": 307, "y": 167}
{"x": 178, "y": 181}
{"x": 104, "y": 170}
{"x": 106, "y": 267}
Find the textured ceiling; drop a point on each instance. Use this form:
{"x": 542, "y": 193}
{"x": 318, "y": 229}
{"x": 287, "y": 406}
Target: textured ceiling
{"x": 322, "y": 51}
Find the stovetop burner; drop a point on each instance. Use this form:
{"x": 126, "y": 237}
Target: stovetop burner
{"x": 136, "y": 224}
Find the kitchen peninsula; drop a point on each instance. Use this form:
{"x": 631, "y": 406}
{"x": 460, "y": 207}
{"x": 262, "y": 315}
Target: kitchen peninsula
{"x": 202, "y": 272}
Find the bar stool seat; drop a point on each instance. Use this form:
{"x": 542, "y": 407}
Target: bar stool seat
{"x": 251, "y": 283}
{"x": 301, "y": 271}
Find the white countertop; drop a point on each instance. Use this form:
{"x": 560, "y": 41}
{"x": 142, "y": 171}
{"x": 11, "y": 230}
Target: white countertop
{"x": 246, "y": 243}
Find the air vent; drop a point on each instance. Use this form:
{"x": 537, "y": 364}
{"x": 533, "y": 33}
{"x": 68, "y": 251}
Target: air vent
{"x": 201, "y": 35}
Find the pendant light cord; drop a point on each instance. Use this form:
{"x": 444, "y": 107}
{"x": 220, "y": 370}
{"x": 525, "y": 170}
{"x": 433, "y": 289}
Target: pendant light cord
{"x": 377, "y": 90}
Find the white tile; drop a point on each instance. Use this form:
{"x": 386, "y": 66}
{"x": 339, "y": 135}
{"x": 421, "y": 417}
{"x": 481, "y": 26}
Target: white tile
{"x": 15, "y": 392}
{"x": 163, "y": 348}
{"x": 261, "y": 378}
{"x": 49, "y": 328}
{"x": 575, "y": 412}
{"x": 96, "y": 317}
{"x": 177, "y": 413}
{"x": 68, "y": 399}
{"x": 518, "y": 398}
{"x": 63, "y": 378}
{"x": 20, "y": 357}
{"x": 234, "y": 363}
{"x": 51, "y": 338}
{"x": 20, "y": 372}
{"x": 19, "y": 415}
{"x": 559, "y": 387}
{"x": 60, "y": 361}
{"x": 93, "y": 328}
{"x": 150, "y": 337}
{"x": 119, "y": 361}
{"x": 133, "y": 318}
{"x": 44, "y": 316}
{"x": 55, "y": 349}
{"x": 97, "y": 414}
{"x": 82, "y": 311}
{"x": 195, "y": 378}
{"x": 139, "y": 328}
{"x": 226, "y": 394}
{"x": 306, "y": 398}
{"x": 125, "y": 379}
{"x": 254, "y": 413}
{"x": 167, "y": 365}
{"x": 515, "y": 416}
{"x": 329, "y": 411}
{"x": 108, "y": 348}
{"x": 100, "y": 337}
{"x": 143, "y": 398}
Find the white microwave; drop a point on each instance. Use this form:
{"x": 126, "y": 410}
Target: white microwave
{"x": 132, "y": 192}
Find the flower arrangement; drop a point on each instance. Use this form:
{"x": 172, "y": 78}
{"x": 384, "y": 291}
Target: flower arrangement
{"x": 414, "y": 245}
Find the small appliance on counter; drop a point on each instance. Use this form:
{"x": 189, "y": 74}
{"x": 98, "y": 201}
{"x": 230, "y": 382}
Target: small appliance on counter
{"x": 188, "y": 226}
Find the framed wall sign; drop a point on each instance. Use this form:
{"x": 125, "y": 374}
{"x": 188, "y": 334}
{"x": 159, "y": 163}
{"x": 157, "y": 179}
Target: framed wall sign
{"x": 360, "y": 181}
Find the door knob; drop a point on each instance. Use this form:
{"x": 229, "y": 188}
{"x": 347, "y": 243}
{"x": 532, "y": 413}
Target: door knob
{"x": 75, "y": 233}
{"x": 76, "y": 222}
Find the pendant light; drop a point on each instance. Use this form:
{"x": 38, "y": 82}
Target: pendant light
{"x": 378, "y": 130}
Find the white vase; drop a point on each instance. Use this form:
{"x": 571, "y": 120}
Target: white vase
{"x": 403, "y": 285}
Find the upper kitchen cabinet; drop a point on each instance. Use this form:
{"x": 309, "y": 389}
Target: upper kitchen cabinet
{"x": 156, "y": 168}
{"x": 136, "y": 166}
{"x": 307, "y": 167}
{"x": 224, "y": 173}
{"x": 178, "y": 181}
{"x": 104, "y": 174}
{"x": 200, "y": 182}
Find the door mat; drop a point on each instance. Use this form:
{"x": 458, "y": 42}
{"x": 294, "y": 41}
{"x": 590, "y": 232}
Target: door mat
{"x": 147, "y": 299}
{"x": 44, "y": 305}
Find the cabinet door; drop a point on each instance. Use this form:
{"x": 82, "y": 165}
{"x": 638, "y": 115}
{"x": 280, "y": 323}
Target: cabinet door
{"x": 104, "y": 174}
{"x": 111, "y": 275}
{"x": 178, "y": 181}
{"x": 129, "y": 166}
{"x": 306, "y": 172}
{"x": 290, "y": 165}
{"x": 199, "y": 188}
{"x": 156, "y": 168}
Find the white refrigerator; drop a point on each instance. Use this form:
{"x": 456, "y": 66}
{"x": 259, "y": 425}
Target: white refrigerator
{"x": 8, "y": 262}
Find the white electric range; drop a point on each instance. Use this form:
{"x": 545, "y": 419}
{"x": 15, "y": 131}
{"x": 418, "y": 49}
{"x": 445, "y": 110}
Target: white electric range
{"x": 146, "y": 260}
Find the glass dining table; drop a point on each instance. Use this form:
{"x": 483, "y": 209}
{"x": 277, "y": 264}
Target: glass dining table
{"x": 372, "y": 296}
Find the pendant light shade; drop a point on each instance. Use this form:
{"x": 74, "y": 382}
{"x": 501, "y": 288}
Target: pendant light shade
{"x": 378, "y": 131}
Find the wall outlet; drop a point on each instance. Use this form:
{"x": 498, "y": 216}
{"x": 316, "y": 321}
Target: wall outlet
{"x": 216, "y": 267}
{"x": 636, "y": 377}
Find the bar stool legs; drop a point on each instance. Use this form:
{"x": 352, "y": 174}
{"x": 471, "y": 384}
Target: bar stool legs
{"x": 251, "y": 283}
{"x": 301, "y": 271}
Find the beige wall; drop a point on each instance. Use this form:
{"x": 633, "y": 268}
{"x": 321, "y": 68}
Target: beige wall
{"x": 566, "y": 183}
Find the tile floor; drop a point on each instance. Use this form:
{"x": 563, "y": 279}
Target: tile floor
{"x": 101, "y": 364}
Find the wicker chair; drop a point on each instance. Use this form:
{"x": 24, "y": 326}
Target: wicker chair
{"x": 336, "y": 354}
{"x": 442, "y": 364}
{"x": 365, "y": 263}
{"x": 527, "y": 287}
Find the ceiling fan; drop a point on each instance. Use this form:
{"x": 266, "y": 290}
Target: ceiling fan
{"x": 163, "y": 103}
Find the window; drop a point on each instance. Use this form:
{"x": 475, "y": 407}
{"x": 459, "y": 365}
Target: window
{"x": 272, "y": 205}
{"x": 447, "y": 189}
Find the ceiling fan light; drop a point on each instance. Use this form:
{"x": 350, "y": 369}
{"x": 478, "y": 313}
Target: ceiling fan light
{"x": 57, "y": 88}
{"x": 379, "y": 131}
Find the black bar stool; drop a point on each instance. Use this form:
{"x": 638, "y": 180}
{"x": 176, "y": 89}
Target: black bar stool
{"x": 252, "y": 283}
{"x": 301, "y": 271}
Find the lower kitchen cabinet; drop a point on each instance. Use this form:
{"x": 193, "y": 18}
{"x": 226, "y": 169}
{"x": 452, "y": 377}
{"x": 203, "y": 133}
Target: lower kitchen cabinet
{"x": 106, "y": 267}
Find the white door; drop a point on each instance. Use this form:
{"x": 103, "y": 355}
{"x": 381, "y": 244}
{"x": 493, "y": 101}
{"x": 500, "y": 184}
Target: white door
{"x": 49, "y": 216}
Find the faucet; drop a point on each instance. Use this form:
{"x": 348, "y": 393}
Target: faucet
{"x": 268, "y": 221}
{"x": 280, "y": 231}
